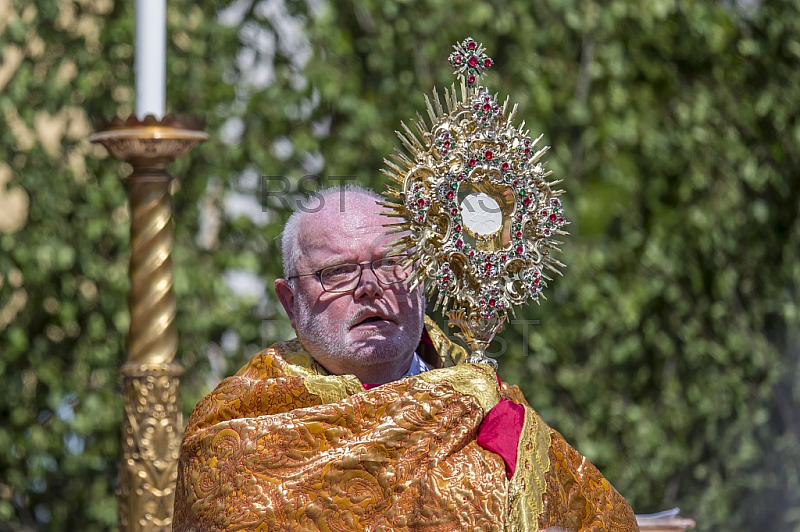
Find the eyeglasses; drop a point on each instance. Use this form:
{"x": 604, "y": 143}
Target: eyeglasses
{"x": 345, "y": 277}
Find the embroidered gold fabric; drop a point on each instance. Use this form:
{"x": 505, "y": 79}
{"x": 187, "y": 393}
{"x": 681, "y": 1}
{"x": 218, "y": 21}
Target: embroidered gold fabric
{"x": 578, "y": 497}
{"x": 282, "y": 446}
{"x": 480, "y": 382}
{"x": 399, "y": 457}
{"x": 450, "y": 353}
{"x": 528, "y": 484}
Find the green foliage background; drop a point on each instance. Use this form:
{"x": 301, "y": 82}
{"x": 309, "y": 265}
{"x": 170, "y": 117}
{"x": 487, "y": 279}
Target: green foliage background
{"x": 668, "y": 353}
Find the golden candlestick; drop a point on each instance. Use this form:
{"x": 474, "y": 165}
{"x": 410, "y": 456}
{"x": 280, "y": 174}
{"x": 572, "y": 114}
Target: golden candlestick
{"x": 152, "y": 424}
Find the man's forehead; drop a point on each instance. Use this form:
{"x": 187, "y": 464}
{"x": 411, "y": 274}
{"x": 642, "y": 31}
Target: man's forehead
{"x": 335, "y": 229}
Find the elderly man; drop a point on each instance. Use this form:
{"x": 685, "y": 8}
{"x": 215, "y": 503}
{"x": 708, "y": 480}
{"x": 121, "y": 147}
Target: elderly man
{"x": 344, "y": 297}
{"x": 371, "y": 420}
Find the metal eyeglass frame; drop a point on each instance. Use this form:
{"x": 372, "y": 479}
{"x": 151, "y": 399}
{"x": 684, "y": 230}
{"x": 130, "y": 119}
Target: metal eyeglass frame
{"x": 357, "y": 280}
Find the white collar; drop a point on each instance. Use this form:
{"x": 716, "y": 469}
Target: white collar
{"x": 417, "y": 366}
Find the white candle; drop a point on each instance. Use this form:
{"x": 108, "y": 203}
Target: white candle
{"x": 150, "y": 58}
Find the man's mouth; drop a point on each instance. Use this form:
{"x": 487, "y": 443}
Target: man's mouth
{"x": 371, "y": 320}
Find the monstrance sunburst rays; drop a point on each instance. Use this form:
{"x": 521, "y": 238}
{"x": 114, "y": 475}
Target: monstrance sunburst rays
{"x": 479, "y": 218}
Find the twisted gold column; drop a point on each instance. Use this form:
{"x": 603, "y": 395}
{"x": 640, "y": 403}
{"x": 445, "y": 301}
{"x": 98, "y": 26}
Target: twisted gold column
{"x": 152, "y": 423}
{"x": 152, "y": 338}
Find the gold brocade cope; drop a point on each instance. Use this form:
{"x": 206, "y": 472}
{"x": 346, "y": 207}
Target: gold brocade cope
{"x": 282, "y": 445}
{"x": 263, "y": 454}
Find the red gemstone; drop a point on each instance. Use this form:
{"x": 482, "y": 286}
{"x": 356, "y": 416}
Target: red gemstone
{"x": 516, "y": 182}
{"x": 477, "y": 105}
{"x": 503, "y": 258}
{"x": 536, "y": 281}
{"x": 561, "y": 220}
{"x": 471, "y": 45}
{"x": 473, "y": 60}
{"x": 487, "y": 62}
{"x": 458, "y": 228}
{"x": 450, "y": 195}
{"x": 420, "y": 202}
{"x": 519, "y": 234}
{"x": 457, "y": 59}
{"x": 519, "y": 250}
{"x": 460, "y": 177}
{"x": 486, "y": 107}
{"x": 488, "y": 266}
{"x": 553, "y": 217}
{"x": 459, "y": 243}
{"x": 526, "y": 201}
{"x": 454, "y": 211}
{"x": 527, "y": 151}
{"x": 505, "y": 166}
{"x": 447, "y": 144}
{"x": 471, "y": 253}
{"x": 489, "y": 155}
{"x": 471, "y": 79}
{"x": 446, "y": 277}
{"x": 472, "y": 162}
{"x": 491, "y": 302}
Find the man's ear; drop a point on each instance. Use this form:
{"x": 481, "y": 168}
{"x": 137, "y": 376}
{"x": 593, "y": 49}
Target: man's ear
{"x": 285, "y": 293}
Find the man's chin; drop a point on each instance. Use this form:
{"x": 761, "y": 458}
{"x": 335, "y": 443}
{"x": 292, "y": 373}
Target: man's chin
{"x": 380, "y": 344}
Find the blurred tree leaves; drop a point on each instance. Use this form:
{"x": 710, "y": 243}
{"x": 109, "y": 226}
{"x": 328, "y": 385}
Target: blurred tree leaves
{"x": 668, "y": 353}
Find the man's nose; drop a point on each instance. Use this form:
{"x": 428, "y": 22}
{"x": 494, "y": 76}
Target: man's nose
{"x": 368, "y": 286}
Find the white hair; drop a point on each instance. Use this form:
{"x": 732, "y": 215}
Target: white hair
{"x": 289, "y": 238}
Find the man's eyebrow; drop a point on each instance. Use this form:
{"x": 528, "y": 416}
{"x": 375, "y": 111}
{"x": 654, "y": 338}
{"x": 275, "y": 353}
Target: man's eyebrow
{"x": 329, "y": 264}
{"x": 333, "y": 261}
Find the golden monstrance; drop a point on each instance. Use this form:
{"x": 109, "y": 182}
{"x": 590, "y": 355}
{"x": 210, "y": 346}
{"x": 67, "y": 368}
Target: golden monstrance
{"x": 480, "y": 218}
